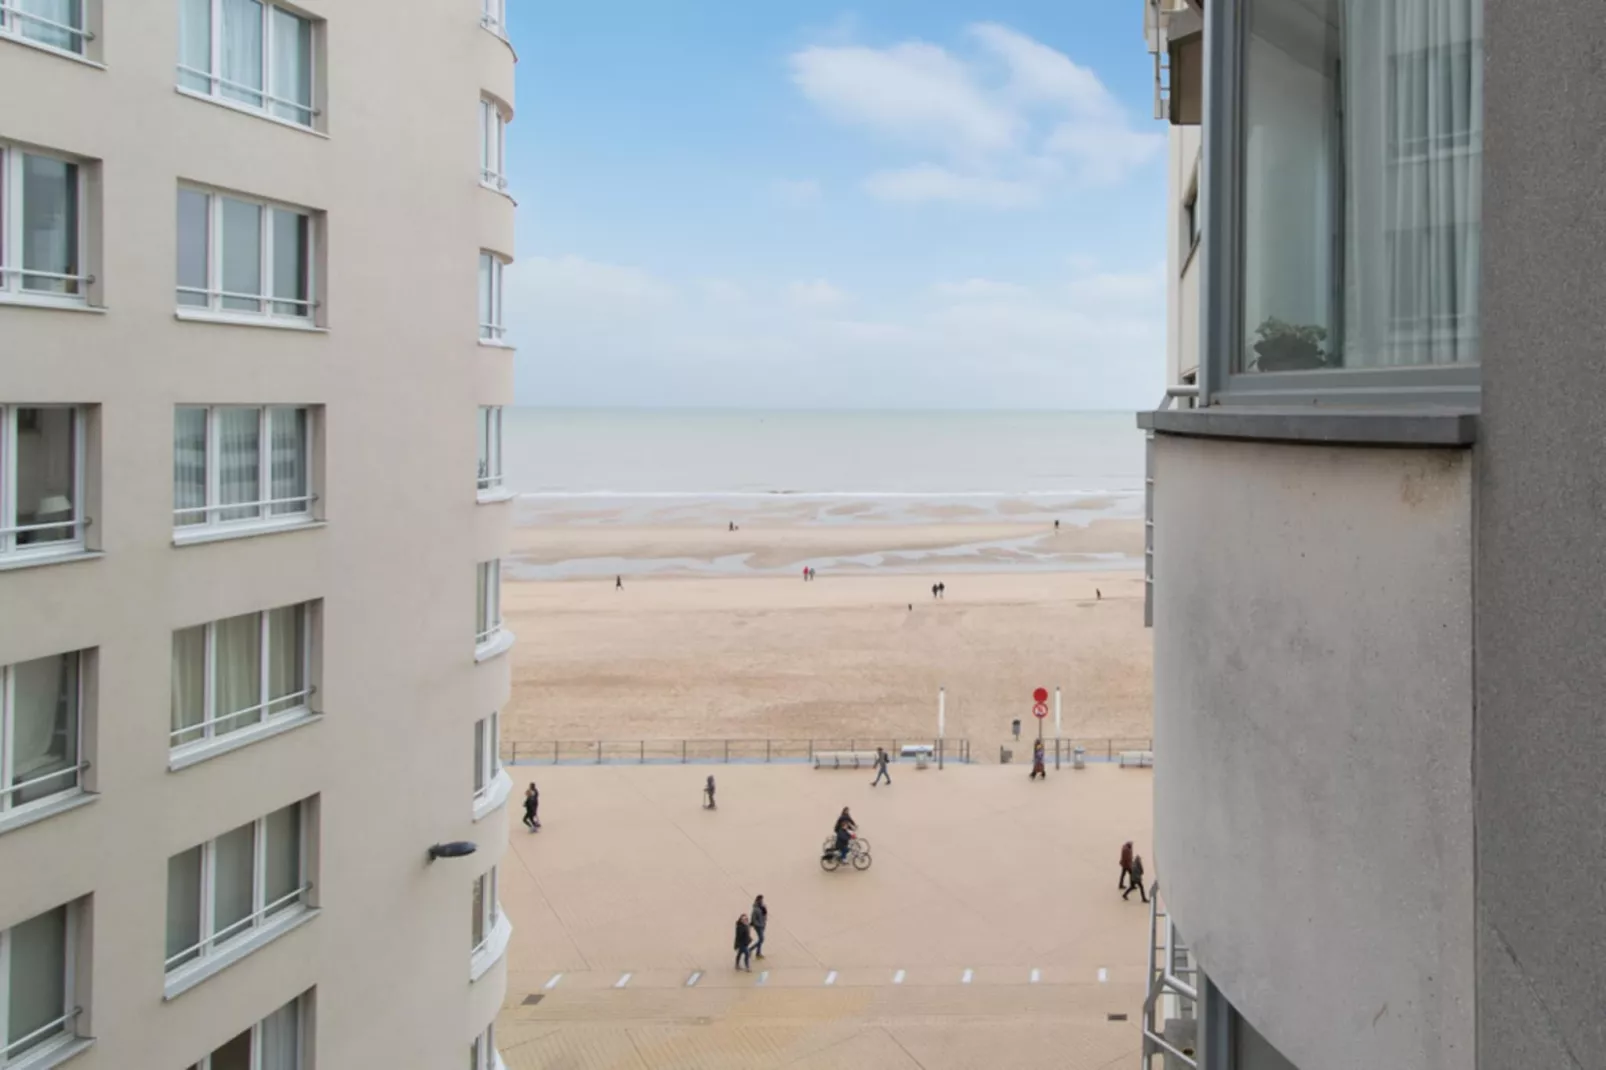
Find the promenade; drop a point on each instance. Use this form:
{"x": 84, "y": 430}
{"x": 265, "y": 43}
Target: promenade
{"x": 988, "y": 932}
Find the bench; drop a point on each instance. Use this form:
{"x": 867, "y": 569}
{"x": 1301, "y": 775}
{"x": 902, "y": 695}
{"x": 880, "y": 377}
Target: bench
{"x": 922, "y": 753}
{"x": 837, "y": 759}
{"x": 1139, "y": 758}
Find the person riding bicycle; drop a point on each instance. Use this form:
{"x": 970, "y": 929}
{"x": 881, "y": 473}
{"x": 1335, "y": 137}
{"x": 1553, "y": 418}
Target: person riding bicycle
{"x": 845, "y": 821}
{"x": 845, "y": 827}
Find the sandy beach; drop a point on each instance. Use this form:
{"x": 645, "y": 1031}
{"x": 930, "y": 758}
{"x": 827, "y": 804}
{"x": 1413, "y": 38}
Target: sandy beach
{"x": 752, "y": 651}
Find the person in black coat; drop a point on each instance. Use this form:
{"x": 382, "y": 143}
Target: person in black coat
{"x": 532, "y": 803}
{"x": 744, "y": 944}
{"x": 761, "y": 918}
{"x": 1136, "y": 873}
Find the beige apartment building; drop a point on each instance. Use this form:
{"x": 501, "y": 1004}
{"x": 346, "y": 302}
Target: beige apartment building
{"x": 251, "y": 357}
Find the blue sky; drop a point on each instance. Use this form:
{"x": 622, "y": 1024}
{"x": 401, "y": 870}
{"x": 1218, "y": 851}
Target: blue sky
{"x": 912, "y": 203}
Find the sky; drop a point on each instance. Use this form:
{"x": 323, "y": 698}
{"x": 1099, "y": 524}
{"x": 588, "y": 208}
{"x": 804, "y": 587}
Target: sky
{"x": 902, "y": 204}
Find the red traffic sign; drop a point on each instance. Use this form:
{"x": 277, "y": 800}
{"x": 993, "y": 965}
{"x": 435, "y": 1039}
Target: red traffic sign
{"x": 1040, "y": 710}
{"x": 1040, "y": 695}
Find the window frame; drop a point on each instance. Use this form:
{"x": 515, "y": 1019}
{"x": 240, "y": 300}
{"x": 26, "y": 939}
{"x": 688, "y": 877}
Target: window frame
{"x": 487, "y": 755}
{"x": 490, "y": 634}
{"x": 1221, "y": 186}
{"x": 494, "y": 332}
{"x": 494, "y": 119}
{"x": 490, "y": 911}
{"x": 8, "y": 809}
{"x": 13, "y": 18}
{"x": 213, "y": 291}
{"x": 493, "y": 17}
{"x": 209, "y": 738}
{"x": 10, "y": 551}
{"x": 304, "y": 1020}
{"x": 491, "y": 484}
{"x": 71, "y": 1008}
{"x": 218, "y": 83}
{"x": 12, "y": 269}
{"x": 214, "y": 951}
{"x": 264, "y": 521}
{"x": 482, "y": 1050}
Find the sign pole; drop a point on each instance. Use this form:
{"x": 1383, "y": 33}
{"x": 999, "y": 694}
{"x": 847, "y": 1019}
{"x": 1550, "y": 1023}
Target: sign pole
{"x": 1056, "y": 729}
{"x": 942, "y": 694}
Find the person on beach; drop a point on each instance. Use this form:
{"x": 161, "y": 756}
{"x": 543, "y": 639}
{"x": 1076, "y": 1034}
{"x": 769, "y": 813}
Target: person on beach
{"x": 805, "y": 573}
{"x": 1137, "y": 879}
{"x": 933, "y": 592}
{"x": 1098, "y": 595}
{"x": 532, "y": 803}
{"x": 708, "y": 793}
{"x": 942, "y": 590}
{"x": 881, "y": 767}
{"x": 761, "y": 918}
{"x": 618, "y": 583}
{"x": 1038, "y": 772}
{"x": 1056, "y": 525}
{"x": 744, "y": 944}
{"x": 1126, "y": 865}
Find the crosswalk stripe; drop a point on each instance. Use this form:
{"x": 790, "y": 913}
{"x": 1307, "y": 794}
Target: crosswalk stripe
{"x": 553, "y": 982}
{"x": 830, "y": 978}
{"x": 624, "y": 979}
{"x": 897, "y": 978}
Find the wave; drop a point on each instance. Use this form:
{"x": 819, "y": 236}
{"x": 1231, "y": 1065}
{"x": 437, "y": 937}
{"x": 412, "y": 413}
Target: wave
{"x": 819, "y": 495}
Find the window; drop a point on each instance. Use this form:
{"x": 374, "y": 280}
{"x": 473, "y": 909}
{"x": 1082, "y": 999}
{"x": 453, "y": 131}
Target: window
{"x": 493, "y": 144}
{"x": 41, "y": 731}
{"x": 1191, "y": 219}
{"x": 244, "y": 258}
{"x": 229, "y": 889}
{"x": 41, "y": 481}
{"x": 487, "y": 754}
{"x": 240, "y": 467}
{"x": 41, "y": 227}
{"x": 490, "y": 443}
{"x": 38, "y": 1011}
{"x": 487, "y": 912}
{"x": 55, "y": 24}
{"x": 493, "y": 16}
{"x": 241, "y": 672}
{"x": 488, "y": 604}
{"x": 482, "y": 1054}
{"x": 278, "y": 1042}
{"x": 1359, "y": 204}
{"x": 250, "y": 54}
{"x": 491, "y": 329}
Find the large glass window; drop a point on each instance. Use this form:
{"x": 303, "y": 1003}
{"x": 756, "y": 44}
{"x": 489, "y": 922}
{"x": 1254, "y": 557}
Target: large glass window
{"x": 41, "y": 227}
{"x": 1361, "y": 139}
{"x": 278, "y": 1042}
{"x": 249, "y": 53}
{"x": 41, "y": 481}
{"x": 486, "y": 911}
{"x": 225, "y": 889}
{"x": 491, "y": 326}
{"x": 248, "y": 670}
{"x": 37, "y": 1008}
{"x": 41, "y": 725}
{"x": 487, "y": 756}
{"x": 493, "y": 144}
{"x": 488, "y": 603}
{"x": 490, "y": 444}
{"x": 243, "y": 257}
{"x": 54, "y": 23}
{"x": 240, "y": 465}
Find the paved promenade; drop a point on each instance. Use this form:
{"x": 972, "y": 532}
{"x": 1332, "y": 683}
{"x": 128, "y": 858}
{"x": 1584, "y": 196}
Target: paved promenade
{"x": 988, "y": 933}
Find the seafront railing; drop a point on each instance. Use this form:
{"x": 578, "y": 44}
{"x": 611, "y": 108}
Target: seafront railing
{"x": 760, "y": 751}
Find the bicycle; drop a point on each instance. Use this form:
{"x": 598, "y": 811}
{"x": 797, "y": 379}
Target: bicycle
{"x": 856, "y": 842}
{"x": 831, "y": 861}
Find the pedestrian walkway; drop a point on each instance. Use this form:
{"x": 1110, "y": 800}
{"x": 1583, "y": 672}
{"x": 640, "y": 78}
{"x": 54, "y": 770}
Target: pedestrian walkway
{"x": 987, "y": 933}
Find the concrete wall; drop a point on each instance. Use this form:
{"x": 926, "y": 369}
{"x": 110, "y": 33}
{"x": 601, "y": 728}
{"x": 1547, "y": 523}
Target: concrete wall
{"x": 399, "y": 374}
{"x": 1313, "y": 633}
{"x": 1541, "y": 669}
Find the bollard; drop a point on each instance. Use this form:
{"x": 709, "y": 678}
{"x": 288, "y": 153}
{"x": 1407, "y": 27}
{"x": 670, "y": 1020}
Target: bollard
{"x": 727, "y": 752}
{"x": 554, "y": 752}
{"x": 515, "y": 760}
{"x": 643, "y": 752}
{"x": 683, "y": 752}
{"x": 766, "y": 751}
{"x": 599, "y": 752}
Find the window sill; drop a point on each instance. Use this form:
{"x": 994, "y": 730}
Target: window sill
{"x": 192, "y": 536}
{"x": 195, "y": 753}
{"x": 244, "y": 109}
{"x": 496, "y": 343}
{"x": 44, "y": 809}
{"x": 40, "y": 46}
{"x": 226, "y": 319}
{"x": 491, "y": 951}
{"x": 1419, "y": 426}
{"x": 493, "y": 495}
{"x": 495, "y": 794}
{"x": 52, "y": 1054}
{"x": 12, "y": 561}
{"x": 189, "y": 975}
{"x": 19, "y": 299}
{"x": 496, "y": 645}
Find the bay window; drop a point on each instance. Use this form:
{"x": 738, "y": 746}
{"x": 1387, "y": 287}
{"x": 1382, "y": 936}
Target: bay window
{"x": 41, "y": 227}
{"x": 281, "y": 1041}
{"x": 491, "y": 326}
{"x": 58, "y": 24}
{"x": 493, "y": 144}
{"x": 38, "y": 986}
{"x": 1349, "y": 183}
{"x": 239, "y": 257}
{"x": 240, "y": 467}
{"x": 41, "y": 732}
{"x": 235, "y": 892}
{"x": 250, "y": 54}
{"x": 490, "y": 446}
{"x": 243, "y": 672}
{"x": 488, "y": 604}
{"x": 41, "y": 481}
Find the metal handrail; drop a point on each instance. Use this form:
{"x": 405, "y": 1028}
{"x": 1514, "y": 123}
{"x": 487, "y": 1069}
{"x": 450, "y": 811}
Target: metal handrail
{"x": 493, "y": 178}
{"x": 244, "y": 88}
{"x": 481, "y": 638}
{"x": 303, "y": 693}
{"x": 307, "y": 498}
{"x": 21, "y": 1043}
{"x": 36, "y": 273}
{"x": 686, "y": 751}
{"x": 497, "y": 330}
{"x": 17, "y": 12}
{"x": 250, "y": 921}
{"x": 259, "y": 298}
{"x": 494, "y": 25}
{"x": 487, "y": 482}
{"x": 81, "y": 522}
{"x": 70, "y": 770}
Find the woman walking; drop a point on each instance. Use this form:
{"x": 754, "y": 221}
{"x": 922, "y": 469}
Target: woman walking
{"x": 744, "y": 944}
{"x": 532, "y": 803}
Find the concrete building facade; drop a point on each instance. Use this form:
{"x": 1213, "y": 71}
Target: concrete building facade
{"x": 1378, "y": 819}
{"x": 251, "y": 351}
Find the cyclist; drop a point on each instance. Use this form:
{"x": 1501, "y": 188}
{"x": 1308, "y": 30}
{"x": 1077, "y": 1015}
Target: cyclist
{"x": 845, "y": 827}
{"x": 845, "y": 820}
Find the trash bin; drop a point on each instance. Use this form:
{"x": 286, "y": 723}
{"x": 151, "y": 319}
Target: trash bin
{"x": 1079, "y": 757}
{"x": 1014, "y": 726}
{"x": 1004, "y": 755}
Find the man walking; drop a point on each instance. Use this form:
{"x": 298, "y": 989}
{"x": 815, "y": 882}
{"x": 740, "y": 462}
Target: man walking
{"x": 708, "y": 793}
{"x": 744, "y": 944}
{"x": 532, "y": 803}
{"x": 761, "y": 918}
{"x": 881, "y": 767}
{"x": 1136, "y": 874}
{"x": 1126, "y": 865}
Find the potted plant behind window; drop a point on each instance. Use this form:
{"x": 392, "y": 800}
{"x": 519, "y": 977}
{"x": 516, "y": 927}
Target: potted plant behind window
{"x": 1284, "y": 347}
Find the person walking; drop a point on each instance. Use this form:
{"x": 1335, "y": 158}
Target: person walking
{"x": 942, "y": 590}
{"x": 618, "y": 583}
{"x": 1126, "y": 865}
{"x": 708, "y": 793}
{"x": 933, "y": 592}
{"x": 1038, "y": 771}
{"x": 532, "y": 803}
{"x": 761, "y": 918}
{"x": 881, "y": 767}
{"x": 744, "y": 944}
{"x": 1137, "y": 879}
{"x": 1056, "y": 525}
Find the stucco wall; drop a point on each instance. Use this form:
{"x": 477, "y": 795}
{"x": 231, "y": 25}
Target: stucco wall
{"x": 1313, "y": 724}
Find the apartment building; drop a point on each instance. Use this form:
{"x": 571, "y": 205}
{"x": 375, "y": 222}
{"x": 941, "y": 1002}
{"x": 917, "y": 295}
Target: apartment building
{"x": 252, "y": 359}
{"x": 1377, "y": 583}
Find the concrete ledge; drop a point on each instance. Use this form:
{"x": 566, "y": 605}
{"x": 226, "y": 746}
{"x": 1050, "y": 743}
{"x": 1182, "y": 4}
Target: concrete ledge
{"x": 1421, "y": 426}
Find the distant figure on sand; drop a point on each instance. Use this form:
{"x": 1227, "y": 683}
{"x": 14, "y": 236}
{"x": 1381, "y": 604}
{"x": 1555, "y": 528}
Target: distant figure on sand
{"x": 1098, "y": 595}
{"x": 618, "y": 583}
{"x": 933, "y": 592}
{"x": 532, "y": 803}
{"x": 942, "y": 590}
{"x": 708, "y": 793}
{"x": 1056, "y": 525}
{"x": 733, "y": 525}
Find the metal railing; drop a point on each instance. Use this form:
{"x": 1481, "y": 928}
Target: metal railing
{"x": 494, "y": 179}
{"x": 718, "y": 751}
{"x": 220, "y": 82}
{"x": 208, "y": 510}
{"x": 489, "y": 635}
{"x": 204, "y": 725}
{"x": 81, "y": 522}
{"x": 1171, "y": 979}
{"x": 492, "y": 332}
{"x": 11, "y": 12}
{"x": 1103, "y": 749}
{"x": 239, "y": 928}
{"x": 71, "y": 770}
{"x": 44, "y": 1032}
{"x": 35, "y": 273}
{"x": 260, "y": 299}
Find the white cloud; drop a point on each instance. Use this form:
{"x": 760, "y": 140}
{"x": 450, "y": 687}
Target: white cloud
{"x": 722, "y": 291}
{"x": 978, "y": 290}
{"x": 815, "y": 294}
{"x": 1019, "y": 122}
{"x": 577, "y": 283}
{"x": 797, "y": 191}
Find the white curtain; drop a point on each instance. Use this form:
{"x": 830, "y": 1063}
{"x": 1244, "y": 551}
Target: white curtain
{"x": 189, "y": 466}
{"x": 234, "y": 868}
{"x": 44, "y": 725}
{"x": 1413, "y": 111}
{"x": 39, "y": 959}
{"x": 287, "y": 460}
{"x": 242, "y": 50}
{"x": 61, "y": 12}
{"x": 285, "y": 669}
{"x": 292, "y": 67}
{"x": 281, "y": 1038}
{"x": 238, "y": 671}
{"x": 282, "y": 870}
{"x": 195, "y": 44}
{"x": 239, "y": 462}
{"x": 189, "y": 684}
{"x": 242, "y": 254}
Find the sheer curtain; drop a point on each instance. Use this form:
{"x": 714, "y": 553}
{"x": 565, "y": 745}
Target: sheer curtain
{"x": 189, "y": 684}
{"x": 189, "y": 466}
{"x": 239, "y": 462}
{"x": 183, "y": 903}
{"x": 287, "y": 460}
{"x": 44, "y": 725}
{"x": 234, "y": 869}
{"x": 285, "y": 645}
{"x": 39, "y": 959}
{"x": 1413, "y": 114}
{"x": 292, "y": 68}
{"x": 242, "y": 51}
{"x": 195, "y": 44}
{"x": 281, "y": 1038}
{"x": 242, "y": 255}
{"x": 237, "y": 671}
